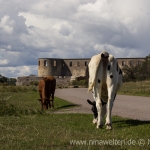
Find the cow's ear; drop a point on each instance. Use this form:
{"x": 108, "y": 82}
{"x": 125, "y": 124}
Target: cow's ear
{"x": 91, "y": 103}
{"x": 39, "y": 99}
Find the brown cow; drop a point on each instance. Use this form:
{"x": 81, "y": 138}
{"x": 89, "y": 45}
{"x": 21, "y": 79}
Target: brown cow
{"x": 46, "y": 90}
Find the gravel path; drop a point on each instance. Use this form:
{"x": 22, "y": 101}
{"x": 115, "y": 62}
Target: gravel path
{"x": 134, "y": 107}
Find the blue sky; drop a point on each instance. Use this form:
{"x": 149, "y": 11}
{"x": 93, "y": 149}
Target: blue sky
{"x": 70, "y": 29}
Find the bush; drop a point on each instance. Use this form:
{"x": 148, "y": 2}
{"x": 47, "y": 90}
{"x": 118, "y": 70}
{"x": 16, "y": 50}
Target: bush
{"x": 7, "y": 110}
{"x": 11, "y": 110}
{"x": 17, "y": 89}
{"x": 35, "y": 83}
{"x": 79, "y": 83}
{"x": 138, "y": 72}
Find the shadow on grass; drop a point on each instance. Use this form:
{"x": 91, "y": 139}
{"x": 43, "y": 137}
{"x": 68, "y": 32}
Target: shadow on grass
{"x": 68, "y": 106}
{"x": 57, "y": 108}
{"x": 130, "y": 122}
{"x": 136, "y": 122}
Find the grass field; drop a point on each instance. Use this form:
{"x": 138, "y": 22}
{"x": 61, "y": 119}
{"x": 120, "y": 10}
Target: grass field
{"x": 24, "y": 126}
{"x": 70, "y": 131}
{"x": 141, "y": 88}
{"x": 24, "y": 100}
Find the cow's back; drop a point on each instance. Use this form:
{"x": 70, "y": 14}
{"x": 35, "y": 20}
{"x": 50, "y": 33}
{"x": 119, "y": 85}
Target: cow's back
{"x": 47, "y": 86}
{"x": 50, "y": 85}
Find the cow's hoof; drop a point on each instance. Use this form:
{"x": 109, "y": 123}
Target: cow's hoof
{"x": 94, "y": 121}
{"x": 109, "y": 127}
{"x": 99, "y": 126}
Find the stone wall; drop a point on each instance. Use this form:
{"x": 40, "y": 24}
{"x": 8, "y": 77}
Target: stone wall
{"x": 26, "y": 80}
{"x": 62, "y": 81}
{"x": 75, "y": 67}
{"x": 129, "y": 61}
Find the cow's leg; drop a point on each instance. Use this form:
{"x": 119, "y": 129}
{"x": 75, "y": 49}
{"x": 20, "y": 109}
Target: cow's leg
{"x": 40, "y": 93}
{"x": 99, "y": 106}
{"x": 52, "y": 100}
{"x": 46, "y": 106}
{"x": 102, "y": 114}
{"x": 42, "y": 106}
{"x": 103, "y": 111}
{"x": 109, "y": 107}
{"x": 99, "y": 111}
{"x": 50, "y": 104}
{"x": 48, "y": 97}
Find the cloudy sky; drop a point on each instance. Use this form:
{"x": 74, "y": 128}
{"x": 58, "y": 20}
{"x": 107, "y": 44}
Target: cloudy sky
{"x": 32, "y": 29}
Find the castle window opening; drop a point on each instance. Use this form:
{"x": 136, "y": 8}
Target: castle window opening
{"x": 45, "y": 62}
{"x": 39, "y": 63}
{"x": 139, "y": 62}
{"x": 63, "y": 64}
{"x": 123, "y": 63}
{"x": 70, "y": 64}
{"x": 86, "y": 63}
{"x": 78, "y": 64}
{"x": 54, "y": 63}
{"x": 131, "y": 63}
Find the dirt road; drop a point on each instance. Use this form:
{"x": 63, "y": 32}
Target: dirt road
{"x": 134, "y": 107}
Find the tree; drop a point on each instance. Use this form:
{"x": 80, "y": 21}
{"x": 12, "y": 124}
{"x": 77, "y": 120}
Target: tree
{"x": 138, "y": 72}
{"x": 12, "y": 81}
{"x": 3, "y": 79}
{"x": 7, "y": 81}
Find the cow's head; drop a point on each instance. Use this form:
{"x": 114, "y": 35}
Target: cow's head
{"x": 44, "y": 102}
{"x": 94, "y": 110}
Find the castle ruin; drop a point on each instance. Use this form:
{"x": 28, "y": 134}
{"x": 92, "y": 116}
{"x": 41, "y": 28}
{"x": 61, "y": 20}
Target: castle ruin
{"x": 65, "y": 70}
{"x": 74, "y": 67}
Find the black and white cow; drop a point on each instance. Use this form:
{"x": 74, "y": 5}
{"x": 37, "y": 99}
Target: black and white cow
{"x": 105, "y": 79}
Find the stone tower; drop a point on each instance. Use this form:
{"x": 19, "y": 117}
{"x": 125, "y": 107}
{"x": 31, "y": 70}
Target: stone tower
{"x": 49, "y": 66}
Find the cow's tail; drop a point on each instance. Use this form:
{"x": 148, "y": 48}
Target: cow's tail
{"x": 92, "y": 75}
{"x": 95, "y": 62}
{"x": 90, "y": 86}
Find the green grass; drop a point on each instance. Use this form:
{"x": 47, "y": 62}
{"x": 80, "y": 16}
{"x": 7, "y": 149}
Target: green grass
{"x": 56, "y": 131}
{"x": 25, "y": 126}
{"x": 29, "y": 100}
{"x": 25, "y": 100}
{"x": 141, "y": 88}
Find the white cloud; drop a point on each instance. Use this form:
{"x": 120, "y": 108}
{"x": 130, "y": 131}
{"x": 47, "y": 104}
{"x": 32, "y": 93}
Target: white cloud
{"x": 6, "y": 25}
{"x": 4, "y": 61}
{"x": 36, "y": 20}
{"x": 68, "y": 29}
{"x": 18, "y": 71}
